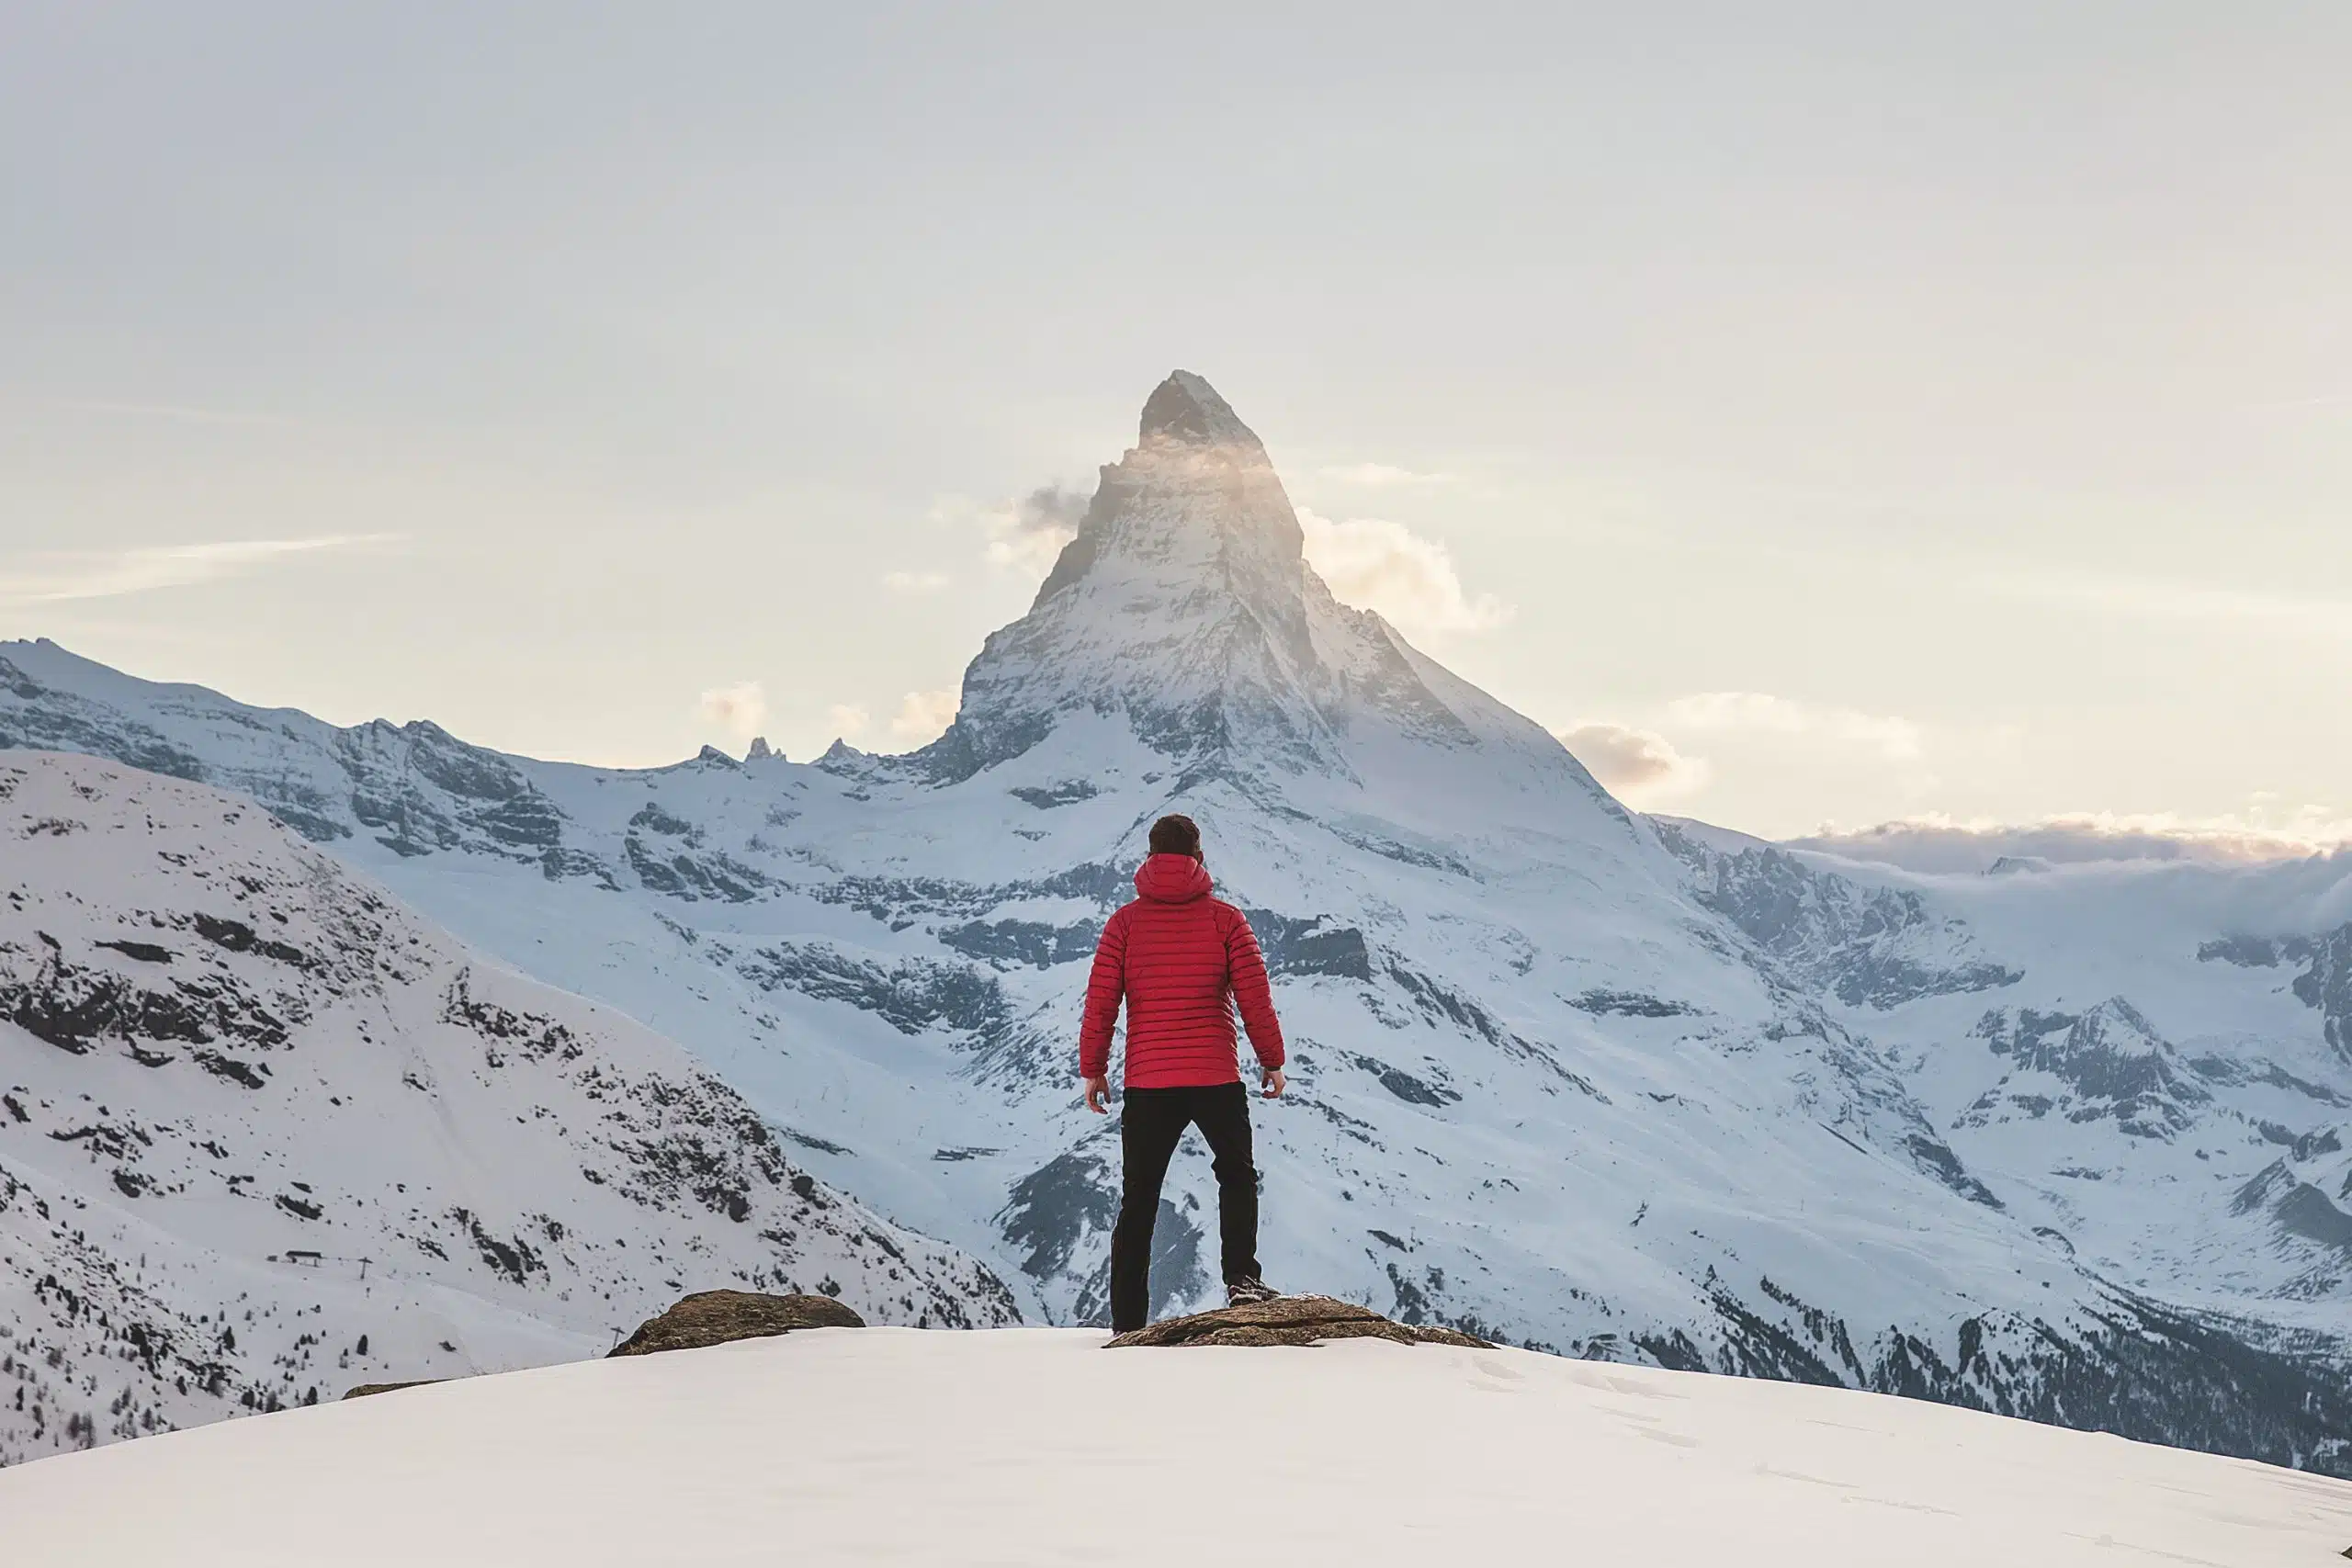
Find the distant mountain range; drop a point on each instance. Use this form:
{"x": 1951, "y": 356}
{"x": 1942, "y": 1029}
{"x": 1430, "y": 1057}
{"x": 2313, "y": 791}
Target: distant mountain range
{"x": 2066, "y": 1143}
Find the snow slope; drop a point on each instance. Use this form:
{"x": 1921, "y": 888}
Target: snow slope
{"x": 1563, "y": 1075}
{"x": 1036, "y": 1445}
{"x": 265, "y": 1135}
{"x": 2165, "y": 1080}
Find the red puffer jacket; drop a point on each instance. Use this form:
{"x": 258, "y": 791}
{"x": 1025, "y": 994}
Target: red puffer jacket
{"x": 1181, "y": 960}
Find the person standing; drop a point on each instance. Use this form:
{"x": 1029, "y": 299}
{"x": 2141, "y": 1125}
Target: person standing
{"x": 1184, "y": 963}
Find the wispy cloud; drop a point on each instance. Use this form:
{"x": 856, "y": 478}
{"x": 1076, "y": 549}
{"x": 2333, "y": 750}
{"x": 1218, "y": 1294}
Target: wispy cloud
{"x": 923, "y": 717}
{"x": 1027, "y": 536}
{"x": 1897, "y": 739}
{"x": 913, "y": 582}
{"x": 180, "y": 413}
{"x": 57, "y": 576}
{"x": 1380, "y": 474}
{"x": 739, "y": 709}
{"x": 849, "y": 720}
{"x": 1638, "y": 765}
{"x": 1411, "y": 580}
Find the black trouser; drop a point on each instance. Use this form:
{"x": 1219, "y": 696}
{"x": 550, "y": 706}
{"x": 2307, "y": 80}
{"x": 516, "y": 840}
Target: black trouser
{"x": 1151, "y": 1122}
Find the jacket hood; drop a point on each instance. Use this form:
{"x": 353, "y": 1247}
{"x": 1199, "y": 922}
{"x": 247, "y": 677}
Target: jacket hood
{"x": 1172, "y": 879}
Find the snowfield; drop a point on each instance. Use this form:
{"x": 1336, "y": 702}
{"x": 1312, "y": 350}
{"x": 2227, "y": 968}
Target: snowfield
{"x": 1037, "y": 1447}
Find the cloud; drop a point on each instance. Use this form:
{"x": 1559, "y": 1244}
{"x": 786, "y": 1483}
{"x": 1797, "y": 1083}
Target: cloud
{"x": 183, "y": 413}
{"x": 848, "y": 719}
{"x": 739, "y": 709}
{"x": 56, "y": 576}
{"x": 1897, "y": 739}
{"x": 1409, "y": 581}
{"x": 1634, "y": 762}
{"x": 1939, "y": 843}
{"x": 1027, "y": 535}
{"x": 1381, "y": 474}
{"x": 914, "y": 582}
{"x": 923, "y": 717}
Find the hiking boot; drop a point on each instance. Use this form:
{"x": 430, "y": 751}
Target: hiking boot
{"x": 1241, "y": 1292}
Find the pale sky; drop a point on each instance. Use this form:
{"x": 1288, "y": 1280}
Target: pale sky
{"x": 1830, "y": 413}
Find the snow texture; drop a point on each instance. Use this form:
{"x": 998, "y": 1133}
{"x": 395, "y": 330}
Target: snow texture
{"x": 265, "y": 1134}
{"x": 2066, "y": 1144}
{"x": 1035, "y": 1446}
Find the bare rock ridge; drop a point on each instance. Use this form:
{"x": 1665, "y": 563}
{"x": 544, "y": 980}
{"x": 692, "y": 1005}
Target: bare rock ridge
{"x": 1290, "y": 1320}
{"x": 698, "y": 1321}
{"x": 720, "y": 1317}
{"x": 1186, "y": 408}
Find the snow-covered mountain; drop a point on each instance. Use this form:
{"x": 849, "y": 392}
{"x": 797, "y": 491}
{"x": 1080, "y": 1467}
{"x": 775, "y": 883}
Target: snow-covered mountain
{"x": 1562, "y": 1073}
{"x": 2163, "y": 1078}
{"x": 265, "y": 1134}
{"x": 856, "y": 1446}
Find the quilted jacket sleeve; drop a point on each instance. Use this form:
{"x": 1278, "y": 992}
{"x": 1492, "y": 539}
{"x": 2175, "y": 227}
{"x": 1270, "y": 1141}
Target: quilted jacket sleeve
{"x": 1252, "y": 993}
{"x": 1104, "y": 989}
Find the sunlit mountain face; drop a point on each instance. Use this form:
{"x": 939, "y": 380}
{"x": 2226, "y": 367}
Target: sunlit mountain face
{"x": 2064, "y": 1145}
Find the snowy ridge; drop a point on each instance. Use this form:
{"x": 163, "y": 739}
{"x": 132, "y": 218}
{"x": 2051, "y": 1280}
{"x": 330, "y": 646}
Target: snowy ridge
{"x": 1362, "y": 1452}
{"x": 265, "y": 1134}
{"x": 1563, "y": 1075}
{"x": 2164, "y": 1074}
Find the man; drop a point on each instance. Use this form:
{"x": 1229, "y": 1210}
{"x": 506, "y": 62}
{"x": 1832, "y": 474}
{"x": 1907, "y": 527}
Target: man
{"x": 1182, "y": 962}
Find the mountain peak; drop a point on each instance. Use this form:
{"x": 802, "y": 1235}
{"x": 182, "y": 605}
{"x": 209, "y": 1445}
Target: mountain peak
{"x": 1186, "y": 408}
{"x": 1185, "y": 603}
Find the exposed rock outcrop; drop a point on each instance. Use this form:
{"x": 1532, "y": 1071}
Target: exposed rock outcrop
{"x": 363, "y": 1390}
{"x": 715, "y": 1317}
{"x": 1291, "y": 1320}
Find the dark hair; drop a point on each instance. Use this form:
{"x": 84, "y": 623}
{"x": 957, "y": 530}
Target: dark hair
{"x": 1175, "y": 836}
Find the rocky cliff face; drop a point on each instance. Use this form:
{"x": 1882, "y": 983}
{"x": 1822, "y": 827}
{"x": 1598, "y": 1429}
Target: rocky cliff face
{"x": 264, "y": 1134}
{"x": 1562, "y": 1076}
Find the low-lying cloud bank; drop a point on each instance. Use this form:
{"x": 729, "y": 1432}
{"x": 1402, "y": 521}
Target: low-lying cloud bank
{"x": 1940, "y": 844}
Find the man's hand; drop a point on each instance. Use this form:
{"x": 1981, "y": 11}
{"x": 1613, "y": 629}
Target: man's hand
{"x": 1098, "y": 1095}
{"x": 1275, "y": 1083}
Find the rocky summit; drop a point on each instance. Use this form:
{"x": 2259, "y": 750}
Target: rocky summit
{"x": 2070, "y": 1145}
{"x": 1291, "y": 1320}
{"x": 720, "y": 1318}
